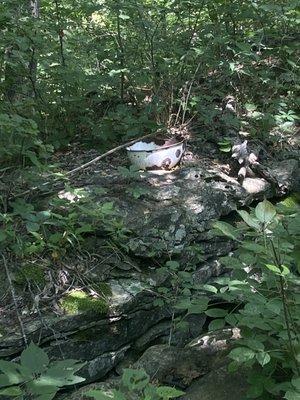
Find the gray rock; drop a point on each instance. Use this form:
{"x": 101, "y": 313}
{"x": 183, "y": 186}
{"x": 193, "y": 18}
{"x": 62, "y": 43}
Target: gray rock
{"x": 160, "y": 333}
{"x": 98, "y": 367}
{"x": 176, "y": 366}
{"x": 218, "y": 385}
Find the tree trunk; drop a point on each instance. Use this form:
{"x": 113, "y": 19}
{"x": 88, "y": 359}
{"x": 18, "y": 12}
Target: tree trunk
{"x": 32, "y": 66}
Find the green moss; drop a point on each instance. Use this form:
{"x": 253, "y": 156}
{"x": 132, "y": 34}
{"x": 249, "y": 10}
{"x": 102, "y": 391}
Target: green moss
{"x": 78, "y": 300}
{"x": 102, "y": 288}
{"x": 31, "y": 273}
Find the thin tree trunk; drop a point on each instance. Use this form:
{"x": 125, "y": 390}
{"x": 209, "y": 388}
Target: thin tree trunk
{"x": 32, "y": 66}
{"x": 60, "y": 32}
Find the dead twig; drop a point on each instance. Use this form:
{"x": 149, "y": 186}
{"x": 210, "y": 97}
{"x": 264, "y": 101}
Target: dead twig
{"x": 13, "y": 295}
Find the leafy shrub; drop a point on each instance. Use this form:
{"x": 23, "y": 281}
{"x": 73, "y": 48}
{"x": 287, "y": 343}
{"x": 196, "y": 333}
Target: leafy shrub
{"x": 136, "y": 384}
{"x": 35, "y": 376}
{"x": 19, "y": 140}
{"x": 264, "y": 287}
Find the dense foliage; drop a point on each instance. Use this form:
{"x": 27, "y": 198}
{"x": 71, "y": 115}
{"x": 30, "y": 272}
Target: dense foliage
{"x": 96, "y": 71}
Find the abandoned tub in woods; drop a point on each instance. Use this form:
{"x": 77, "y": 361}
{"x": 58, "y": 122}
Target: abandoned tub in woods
{"x": 156, "y": 154}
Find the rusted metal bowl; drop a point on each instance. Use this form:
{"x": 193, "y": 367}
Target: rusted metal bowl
{"x": 156, "y": 153}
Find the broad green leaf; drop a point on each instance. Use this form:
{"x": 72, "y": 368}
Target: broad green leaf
{"x": 209, "y": 288}
{"x": 226, "y": 229}
{"x": 216, "y": 312}
{"x": 98, "y": 395}
{"x": 255, "y": 247}
{"x": 292, "y": 395}
{"x": 35, "y": 387}
{"x": 242, "y": 354}
{"x": 263, "y": 358}
{"x": 254, "y": 344}
{"x": 12, "y": 375}
{"x": 34, "y": 359}
{"x": 273, "y": 268}
{"x": 183, "y": 304}
{"x": 296, "y": 383}
{"x": 135, "y": 379}
{"x": 250, "y": 221}
{"x": 168, "y": 392}
{"x": 216, "y": 324}
{"x": 275, "y": 305}
{"x": 265, "y": 211}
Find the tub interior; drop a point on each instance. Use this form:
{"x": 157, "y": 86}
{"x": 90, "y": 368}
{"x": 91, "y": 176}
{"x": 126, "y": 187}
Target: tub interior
{"x": 143, "y": 146}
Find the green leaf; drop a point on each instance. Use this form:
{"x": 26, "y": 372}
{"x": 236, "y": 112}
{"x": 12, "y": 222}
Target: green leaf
{"x": 12, "y": 391}
{"x": 183, "y": 304}
{"x": 37, "y": 387}
{"x": 275, "y": 305}
{"x": 135, "y": 379}
{"x": 292, "y": 395}
{"x": 216, "y": 324}
{"x": 250, "y": 221}
{"x": 216, "y": 312}
{"x": 263, "y": 358}
{"x": 167, "y": 392}
{"x": 226, "y": 229}
{"x": 34, "y": 359}
{"x": 173, "y": 265}
{"x": 296, "y": 383}
{"x": 198, "y": 306}
{"x": 98, "y": 395}
{"x": 273, "y": 268}
{"x": 32, "y": 226}
{"x": 61, "y": 373}
{"x": 12, "y": 375}
{"x": 265, "y": 211}
{"x": 256, "y": 248}
{"x": 242, "y": 354}
{"x": 209, "y": 288}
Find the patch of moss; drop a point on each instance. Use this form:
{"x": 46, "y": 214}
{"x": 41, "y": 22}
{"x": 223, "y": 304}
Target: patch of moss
{"x": 31, "y": 273}
{"x": 78, "y": 300}
{"x": 102, "y": 288}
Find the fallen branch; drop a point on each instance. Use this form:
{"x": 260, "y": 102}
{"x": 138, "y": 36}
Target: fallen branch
{"x": 83, "y": 166}
{"x": 13, "y": 295}
{"x": 107, "y": 154}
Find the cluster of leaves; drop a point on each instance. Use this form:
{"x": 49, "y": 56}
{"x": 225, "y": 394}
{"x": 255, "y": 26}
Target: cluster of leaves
{"x": 260, "y": 297}
{"x": 136, "y": 384}
{"x": 264, "y": 288}
{"x": 26, "y": 231}
{"x": 35, "y": 376}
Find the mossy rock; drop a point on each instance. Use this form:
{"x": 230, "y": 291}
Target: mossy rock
{"x": 30, "y": 273}
{"x": 77, "y": 301}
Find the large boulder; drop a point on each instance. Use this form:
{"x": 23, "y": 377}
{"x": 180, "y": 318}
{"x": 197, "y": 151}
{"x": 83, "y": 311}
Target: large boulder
{"x": 219, "y": 385}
